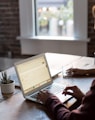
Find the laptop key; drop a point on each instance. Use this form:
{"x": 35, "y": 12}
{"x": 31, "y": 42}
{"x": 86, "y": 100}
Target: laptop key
{"x": 34, "y": 95}
{"x": 56, "y": 89}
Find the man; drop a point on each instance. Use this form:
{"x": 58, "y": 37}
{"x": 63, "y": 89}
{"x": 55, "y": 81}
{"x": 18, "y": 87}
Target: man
{"x": 86, "y": 110}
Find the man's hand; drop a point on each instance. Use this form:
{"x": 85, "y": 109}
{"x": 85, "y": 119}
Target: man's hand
{"x": 43, "y": 96}
{"x": 76, "y": 71}
{"x": 73, "y": 91}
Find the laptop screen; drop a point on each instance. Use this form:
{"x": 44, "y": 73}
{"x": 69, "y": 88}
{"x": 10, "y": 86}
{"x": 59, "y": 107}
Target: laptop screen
{"x": 33, "y": 73}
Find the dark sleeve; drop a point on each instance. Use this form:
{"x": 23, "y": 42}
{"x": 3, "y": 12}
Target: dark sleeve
{"x": 86, "y": 111}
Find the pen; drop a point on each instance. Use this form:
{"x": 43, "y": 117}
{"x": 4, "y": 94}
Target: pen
{"x": 67, "y": 100}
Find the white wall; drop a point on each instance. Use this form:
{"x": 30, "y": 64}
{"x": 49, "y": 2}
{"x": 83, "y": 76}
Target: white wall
{"x": 65, "y": 47}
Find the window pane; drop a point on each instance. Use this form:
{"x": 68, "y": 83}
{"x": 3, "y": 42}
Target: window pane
{"x": 54, "y": 17}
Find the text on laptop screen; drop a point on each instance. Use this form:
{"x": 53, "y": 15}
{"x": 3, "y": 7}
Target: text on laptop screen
{"x": 33, "y": 73}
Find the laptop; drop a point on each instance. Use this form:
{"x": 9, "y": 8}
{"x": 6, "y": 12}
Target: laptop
{"x": 34, "y": 75}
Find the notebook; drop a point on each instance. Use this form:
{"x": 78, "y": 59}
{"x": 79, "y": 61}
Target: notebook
{"x": 34, "y": 75}
{"x": 56, "y": 62}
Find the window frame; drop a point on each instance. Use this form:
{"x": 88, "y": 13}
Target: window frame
{"x": 27, "y": 20}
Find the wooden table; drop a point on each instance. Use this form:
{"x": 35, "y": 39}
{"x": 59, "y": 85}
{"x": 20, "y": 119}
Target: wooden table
{"x": 17, "y": 108}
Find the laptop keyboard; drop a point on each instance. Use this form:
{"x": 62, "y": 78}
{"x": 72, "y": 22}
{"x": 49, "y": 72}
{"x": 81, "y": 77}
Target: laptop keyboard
{"x": 55, "y": 89}
{"x": 35, "y": 95}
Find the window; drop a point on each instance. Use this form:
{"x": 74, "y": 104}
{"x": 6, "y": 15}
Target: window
{"x": 78, "y": 19}
{"x": 54, "y": 17}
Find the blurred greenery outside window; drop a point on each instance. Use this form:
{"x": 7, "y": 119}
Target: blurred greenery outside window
{"x": 54, "y": 19}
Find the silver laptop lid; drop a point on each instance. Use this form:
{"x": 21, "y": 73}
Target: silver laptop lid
{"x": 33, "y": 74}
